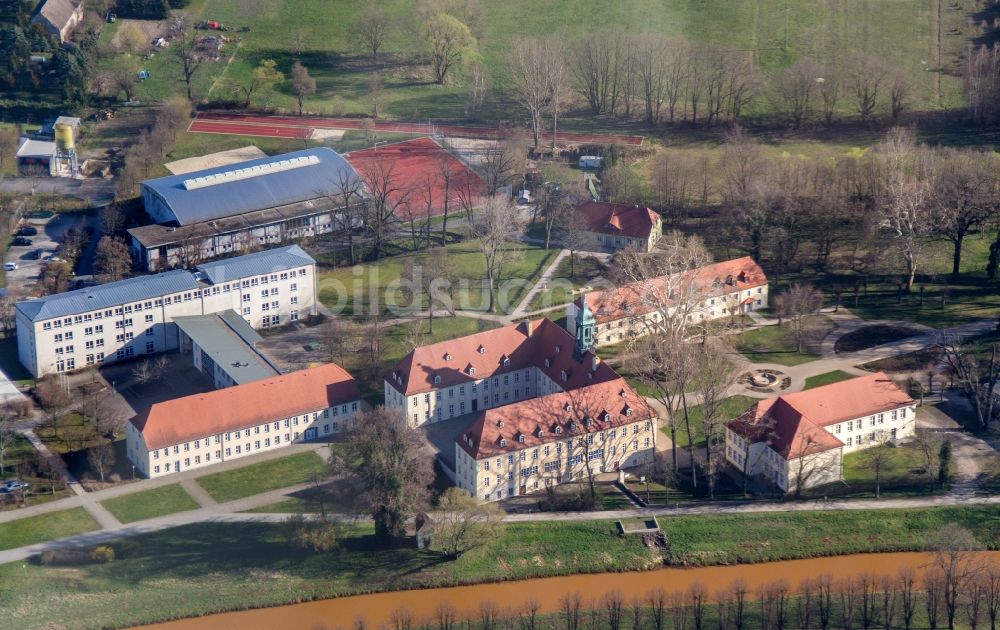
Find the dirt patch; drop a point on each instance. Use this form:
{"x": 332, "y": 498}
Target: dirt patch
{"x": 871, "y": 336}
{"x": 149, "y": 29}
{"x": 918, "y": 362}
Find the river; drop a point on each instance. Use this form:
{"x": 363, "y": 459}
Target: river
{"x": 378, "y": 608}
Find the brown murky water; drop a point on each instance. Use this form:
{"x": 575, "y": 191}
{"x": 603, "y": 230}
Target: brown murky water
{"x": 377, "y": 609}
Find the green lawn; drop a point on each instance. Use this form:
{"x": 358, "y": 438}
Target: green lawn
{"x": 563, "y": 285}
{"x": 35, "y": 529}
{"x": 150, "y": 504}
{"x": 372, "y": 287}
{"x": 777, "y": 33}
{"x": 967, "y": 299}
{"x": 257, "y": 478}
{"x": 902, "y": 475}
{"x": 776, "y": 344}
{"x": 731, "y": 407}
{"x": 828, "y": 378}
{"x": 210, "y": 567}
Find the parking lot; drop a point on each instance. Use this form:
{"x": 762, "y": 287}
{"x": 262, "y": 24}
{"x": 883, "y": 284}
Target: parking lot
{"x": 29, "y": 258}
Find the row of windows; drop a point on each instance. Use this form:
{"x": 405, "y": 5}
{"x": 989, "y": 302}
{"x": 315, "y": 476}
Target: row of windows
{"x": 175, "y": 299}
{"x": 277, "y": 424}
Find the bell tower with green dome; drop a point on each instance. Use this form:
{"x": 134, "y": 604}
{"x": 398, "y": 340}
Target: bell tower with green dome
{"x": 585, "y": 323}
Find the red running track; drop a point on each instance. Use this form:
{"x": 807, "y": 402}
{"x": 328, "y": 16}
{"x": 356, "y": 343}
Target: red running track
{"x": 296, "y": 127}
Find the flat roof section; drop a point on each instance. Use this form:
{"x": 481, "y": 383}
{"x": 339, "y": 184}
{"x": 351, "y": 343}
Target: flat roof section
{"x": 215, "y": 160}
{"x": 230, "y": 342}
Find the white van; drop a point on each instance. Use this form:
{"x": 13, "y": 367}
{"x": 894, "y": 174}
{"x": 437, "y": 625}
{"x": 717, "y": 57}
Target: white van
{"x": 10, "y": 266}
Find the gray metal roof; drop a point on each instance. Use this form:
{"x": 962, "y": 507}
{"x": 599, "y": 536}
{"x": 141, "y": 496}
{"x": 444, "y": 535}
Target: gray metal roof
{"x": 229, "y": 341}
{"x": 222, "y": 191}
{"x": 108, "y": 295}
{"x": 258, "y": 263}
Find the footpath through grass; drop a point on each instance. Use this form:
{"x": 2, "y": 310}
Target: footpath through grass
{"x": 360, "y": 290}
{"x": 263, "y": 477}
{"x": 208, "y": 567}
{"x": 35, "y": 529}
{"x": 150, "y": 504}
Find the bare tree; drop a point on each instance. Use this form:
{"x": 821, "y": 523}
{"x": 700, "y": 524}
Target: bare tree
{"x": 303, "y": 85}
{"x": 7, "y": 433}
{"x": 496, "y": 228}
{"x": 976, "y": 380}
{"x": 340, "y": 337}
{"x": 113, "y": 260}
{"x": 188, "y": 58}
{"x": 907, "y": 581}
{"x": 899, "y": 95}
{"x": 101, "y": 458}
{"x": 955, "y": 561}
{"x": 877, "y": 455}
{"x": 794, "y": 88}
{"x": 830, "y": 85}
{"x": 965, "y": 192}
{"x": 297, "y": 40}
{"x": 800, "y": 302}
{"x": 464, "y": 523}
{"x": 433, "y": 279}
{"x": 370, "y": 29}
{"x": 712, "y": 375}
{"x": 866, "y": 76}
{"x": 385, "y": 193}
{"x": 662, "y": 365}
{"x": 990, "y": 579}
{"x": 386, "y": 470}
{"x": 531, "y": 63}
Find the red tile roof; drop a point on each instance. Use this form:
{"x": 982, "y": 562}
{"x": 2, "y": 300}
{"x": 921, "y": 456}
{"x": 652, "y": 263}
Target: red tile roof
{"x": 795, "y": 423}
{"x": 487, "y": 352}
{"x": 617, "y": 219}
{"x": 554, "y": 417}
{"x": 633, "y": 299}
{"x": 414, "y": 163}
{"x": 242, "y": 406}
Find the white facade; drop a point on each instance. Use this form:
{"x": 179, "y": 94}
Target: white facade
{"x": 819, "y": 467}
{"x": 565, "y": 459}
{"x": 63, "y": 344}
{"x": 450, "y": 402}
{"x": 615, "y": 331}
{"x": 216, "y": 448}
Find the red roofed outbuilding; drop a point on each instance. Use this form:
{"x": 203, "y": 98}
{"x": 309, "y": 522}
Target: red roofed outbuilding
{"x": 615, "y": 226}
{"x": 799, "y": 439}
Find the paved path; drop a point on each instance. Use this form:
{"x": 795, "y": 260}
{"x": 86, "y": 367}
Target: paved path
{"x": 149, "y": 484}
{"x": 54, "y": 460}
{"x": 540, "y": 285}
{"x": 198, "y": 493}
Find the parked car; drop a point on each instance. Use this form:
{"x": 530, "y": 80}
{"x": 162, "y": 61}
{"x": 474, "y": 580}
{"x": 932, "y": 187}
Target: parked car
{"x": 20, "y": 240}
{"x": 523, "y": 198}
{"x": 27, "y": 230}
{"x": 14, "y": 485}
{"x": 10, "y": 266}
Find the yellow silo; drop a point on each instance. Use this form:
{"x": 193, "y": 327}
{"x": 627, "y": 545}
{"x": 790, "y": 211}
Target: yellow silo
{"x": 64, "y": 137}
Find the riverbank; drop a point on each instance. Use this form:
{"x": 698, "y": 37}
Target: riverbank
{"x": 208, "y": 568}
{"x": 634, "y": 599}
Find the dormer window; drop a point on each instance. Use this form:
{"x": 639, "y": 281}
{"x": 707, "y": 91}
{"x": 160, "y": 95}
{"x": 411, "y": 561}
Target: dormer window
{"x": 572, "y": 425}
{"x": 622, "y": 393}
{"x": 506, "y": 361}
{"x": 567, "y": 407}
{"x": 437, "y": 379}
{"x": 558, "y": 430}
{"x": 520, "y": 437}
{"x": 500, "y": 424}
{"x": 541, "y": 433}
{"x": 548, "y": 362}
{"x": 558, "y": 349}
{"x": 482, "y": 349}
{"x": 605, "y": 416}
{"x": 447, "y": 356}
{"x": 503, "y": 442}
{"x": 588, "y": 421}
{"x": 628, "y": 411}
{"x": 563, "y": 375}
{"x": 472, "y": 371}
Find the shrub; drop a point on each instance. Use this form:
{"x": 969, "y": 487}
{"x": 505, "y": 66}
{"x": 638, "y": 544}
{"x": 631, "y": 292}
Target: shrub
{"x": 103, "y": 554}
{"x": 65, "y": 557}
